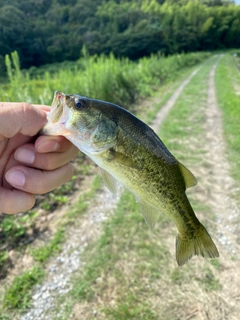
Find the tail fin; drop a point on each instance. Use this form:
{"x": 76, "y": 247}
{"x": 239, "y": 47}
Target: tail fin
{"x": 199, "y": 243}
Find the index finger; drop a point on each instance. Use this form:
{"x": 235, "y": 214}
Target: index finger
{"x": 21, "y": 118}
{"x": 42, "y": 107}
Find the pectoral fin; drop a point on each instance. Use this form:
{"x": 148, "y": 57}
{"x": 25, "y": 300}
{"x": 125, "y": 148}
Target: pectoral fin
{"x": 189, "y": 178}
{"x": 122, "y": 159}
{"x": 110, "y": 182}
{"x": 149, "y": 213}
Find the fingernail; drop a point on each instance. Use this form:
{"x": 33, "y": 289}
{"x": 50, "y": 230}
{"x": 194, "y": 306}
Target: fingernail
{"x": 16, "y": 178}
{"x": 25, "y": 155}
{"x": 48, "y": 146}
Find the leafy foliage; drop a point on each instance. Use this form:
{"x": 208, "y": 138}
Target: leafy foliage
{"x": 56, "y": 30}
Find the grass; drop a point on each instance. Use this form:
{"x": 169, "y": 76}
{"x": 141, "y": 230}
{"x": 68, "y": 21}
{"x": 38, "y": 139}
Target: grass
{"x": 83, "y": 202}
{"x": 184, "y": 129}
{"x": 42, "y": 253}
{"x": 227, "y": 89}
{"x": 14, "y": 228}
{"x": 19, "y": 295}
{"x": 183, "y": 122}
{"x": 105, "y": 77}
{"x": 161, "y": 96}
{"x": 119, "y": 244}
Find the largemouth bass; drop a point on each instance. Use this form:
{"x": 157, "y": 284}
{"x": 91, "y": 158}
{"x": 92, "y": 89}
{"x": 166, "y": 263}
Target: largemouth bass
{"x": 129, "y": 152}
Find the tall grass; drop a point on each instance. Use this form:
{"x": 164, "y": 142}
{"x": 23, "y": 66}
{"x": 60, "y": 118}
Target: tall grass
{"x": 102, "y": 77}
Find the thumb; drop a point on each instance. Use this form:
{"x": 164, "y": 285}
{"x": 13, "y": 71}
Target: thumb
{"x": 21, "y": 118}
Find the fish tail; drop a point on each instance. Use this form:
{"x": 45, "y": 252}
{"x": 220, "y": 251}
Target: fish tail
{"x": 198, "y": 243}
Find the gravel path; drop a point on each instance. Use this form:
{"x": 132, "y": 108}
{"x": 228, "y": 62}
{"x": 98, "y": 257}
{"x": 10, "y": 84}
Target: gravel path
{"x": 60, "y": 268}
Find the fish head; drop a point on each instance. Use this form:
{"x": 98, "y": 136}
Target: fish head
{"x": 82, "y": 121}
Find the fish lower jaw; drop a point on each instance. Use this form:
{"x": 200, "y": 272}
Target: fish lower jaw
{"x": 57, "y": 130}
{"x": 85, "y": 147}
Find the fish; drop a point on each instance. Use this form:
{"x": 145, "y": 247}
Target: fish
{"x": 130, "y": 153}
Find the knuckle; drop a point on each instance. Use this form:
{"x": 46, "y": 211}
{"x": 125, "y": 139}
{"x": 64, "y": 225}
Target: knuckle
{"x": 26, "y": 107}
{"x": 46, "y": 162}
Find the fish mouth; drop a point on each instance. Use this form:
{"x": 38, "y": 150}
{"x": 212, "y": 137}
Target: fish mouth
{"x": 58, "y": 116}
{"x": 57, "y": 107}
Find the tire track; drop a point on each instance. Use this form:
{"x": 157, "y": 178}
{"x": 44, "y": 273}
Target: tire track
{"x": 222, "y": 187}
{"x": 162, "y": 114}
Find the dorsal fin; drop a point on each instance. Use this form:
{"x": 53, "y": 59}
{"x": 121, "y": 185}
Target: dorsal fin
{"x": 189, "y": 178}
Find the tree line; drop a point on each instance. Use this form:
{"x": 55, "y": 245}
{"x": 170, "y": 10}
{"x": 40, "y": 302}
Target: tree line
{"x": 47, "y": 31}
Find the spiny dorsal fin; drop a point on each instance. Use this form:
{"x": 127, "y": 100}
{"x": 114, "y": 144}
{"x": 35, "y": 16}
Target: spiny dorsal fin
{"x": 189, "y": 178}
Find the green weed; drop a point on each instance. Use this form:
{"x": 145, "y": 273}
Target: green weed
{"x": 102, "y": 77}
{"x": 13, "y": 228}
{"x": 42, "y": 253}
{"x": 19, "y": 294}
{"x": 3, "y": 258}
{"x": 5, "y": 316}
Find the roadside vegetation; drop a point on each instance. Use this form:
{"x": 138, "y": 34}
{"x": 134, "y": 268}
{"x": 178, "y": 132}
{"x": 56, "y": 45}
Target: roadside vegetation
{"x": 101, "y": 77}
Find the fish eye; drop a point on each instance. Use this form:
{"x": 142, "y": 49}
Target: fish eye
{"x": 79, "y": 104}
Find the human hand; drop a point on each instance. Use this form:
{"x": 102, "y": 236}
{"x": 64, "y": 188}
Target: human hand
{"x": 29, "y": 166}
